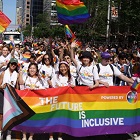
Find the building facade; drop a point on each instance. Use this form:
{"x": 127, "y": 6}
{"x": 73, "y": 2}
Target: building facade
{"x": 23, "y": 8}
{"x": 50, "y": 8}
{"x": 1, "y": 5}
{"x": 36, "y": 9}
{"x": 28, "y": 10}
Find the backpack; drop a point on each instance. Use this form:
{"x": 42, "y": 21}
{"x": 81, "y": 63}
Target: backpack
{"x": 98, "y": 68}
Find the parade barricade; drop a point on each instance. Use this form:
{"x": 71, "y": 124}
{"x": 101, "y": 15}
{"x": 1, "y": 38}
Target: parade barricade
{"x": 76, "y": 111}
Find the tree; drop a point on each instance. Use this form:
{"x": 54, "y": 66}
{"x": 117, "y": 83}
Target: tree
{"x": 42, "y": 28}
{"x": 27, "y": 31}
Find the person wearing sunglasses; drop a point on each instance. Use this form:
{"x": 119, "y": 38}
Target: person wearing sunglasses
{"x": 46, "y": 69}
{"x": 9, "y": 76}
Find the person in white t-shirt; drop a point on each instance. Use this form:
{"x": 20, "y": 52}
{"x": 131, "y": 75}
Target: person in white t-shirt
{"x": 46, "y": 69}
{"x": 8, "y": 76}
{"x": 5, "y": 57}
{"x": 87, "y": 75}
{"x": 63, "y": 78}
{"x": 73, "y": 70}
{"x": 107, "y": 71}
{"x": 32, "y": 81}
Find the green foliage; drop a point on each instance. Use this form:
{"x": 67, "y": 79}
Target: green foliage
{"x": 27, "y": 31}
{"x": 95, "y": 27}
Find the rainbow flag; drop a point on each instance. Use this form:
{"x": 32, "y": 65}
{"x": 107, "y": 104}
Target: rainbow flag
{"x": 43, "y": 74}
{"x": 78, "y": 43}
{"x": 135, "y": 85}
{"x": 12, "y": 45}
{"x": 71, "y": 12}
{"x": 4, "y": 22}
{"x": 77, "y": 111}
{"x": 26, "y": 58}
{"x": 69, "y": 34}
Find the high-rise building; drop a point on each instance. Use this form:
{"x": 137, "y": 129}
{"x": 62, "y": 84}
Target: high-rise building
{"x": 1, "y": 5}
{"x": 23, "y": 12}
{"x": 19, "y": 12}
{"x": 50, "y": 8}
{"x": 36, "y": 9}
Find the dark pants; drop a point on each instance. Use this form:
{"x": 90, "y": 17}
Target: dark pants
{"x": 1, "y": 101}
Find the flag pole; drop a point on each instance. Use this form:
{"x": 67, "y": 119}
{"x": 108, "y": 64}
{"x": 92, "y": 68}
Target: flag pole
{"x": 108, "y": 22}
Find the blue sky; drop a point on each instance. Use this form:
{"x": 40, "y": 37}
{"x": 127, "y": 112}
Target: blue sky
{"x": 9, "y": 9}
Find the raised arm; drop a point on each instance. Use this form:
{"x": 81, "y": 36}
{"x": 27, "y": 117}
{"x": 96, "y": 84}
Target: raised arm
{"x": 20, "y": 77}
{"x": 72, "y": 53}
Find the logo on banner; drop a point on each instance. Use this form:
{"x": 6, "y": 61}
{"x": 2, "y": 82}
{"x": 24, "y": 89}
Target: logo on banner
{"x": 132, "y": 97}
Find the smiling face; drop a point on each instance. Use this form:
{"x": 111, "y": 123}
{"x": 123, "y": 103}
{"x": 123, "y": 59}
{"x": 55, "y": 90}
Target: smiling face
{"x": 13, "y": 66}
{"x": 105, "y": 61}
{"x": 67, "y": 59}
{"x": 46, "y": 60}
{"x": 64, "y": 69}
{"x": 5, "y": 51}
{"x": 32, "y": 71}
{"x": 85, "y": 61}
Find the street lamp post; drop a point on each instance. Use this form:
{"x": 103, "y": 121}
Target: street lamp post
{"x": 108, "y": 22}
{"x": 32, "y": 26}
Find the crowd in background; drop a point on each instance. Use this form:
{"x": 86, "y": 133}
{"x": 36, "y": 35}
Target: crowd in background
{"x": 51, "y": 63}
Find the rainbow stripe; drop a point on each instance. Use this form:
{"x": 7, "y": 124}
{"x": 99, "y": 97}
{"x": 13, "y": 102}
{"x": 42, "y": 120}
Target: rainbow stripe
{"x": 71, "y": 13}
{"x": 78, "y": 111}
{"x": 26, "y": 58}
{"x": 11, "y": 45}
{"x": 4, "y": 22}
{"x": 69, "y": 33}
{"x": 135, "y": 85}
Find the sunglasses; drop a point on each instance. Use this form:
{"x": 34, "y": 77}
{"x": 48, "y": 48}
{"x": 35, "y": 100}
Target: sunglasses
{"x": 15, "y": 64}
{"x": 67, "y": 57}
{"x": 46, "y": 59}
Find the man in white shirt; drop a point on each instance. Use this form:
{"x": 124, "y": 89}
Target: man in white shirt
{"x": 5, "y": 57}
{"x": 107, "y": 71}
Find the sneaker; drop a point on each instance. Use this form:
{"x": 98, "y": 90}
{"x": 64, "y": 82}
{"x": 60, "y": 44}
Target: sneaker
{"x": 60, "y": 138}
{"x": 30, "y": 138}
{"x": 8, "y": 137}
{"x": 51, "y": 138}
{"x": 136, "y": 137}
{"x": 0, "y": 135}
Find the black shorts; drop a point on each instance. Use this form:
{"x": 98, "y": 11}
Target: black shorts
{"x": 1, "y": 102}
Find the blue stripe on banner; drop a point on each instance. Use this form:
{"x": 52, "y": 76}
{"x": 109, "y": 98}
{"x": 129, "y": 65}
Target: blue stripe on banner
{"x": 11, "y": 107}
{"x": 82, "y": 123}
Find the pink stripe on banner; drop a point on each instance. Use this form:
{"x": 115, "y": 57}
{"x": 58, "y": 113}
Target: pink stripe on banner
{"x": 11, "y": 108}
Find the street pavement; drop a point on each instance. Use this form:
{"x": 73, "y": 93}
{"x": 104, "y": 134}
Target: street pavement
{"x": 18, "y": 136}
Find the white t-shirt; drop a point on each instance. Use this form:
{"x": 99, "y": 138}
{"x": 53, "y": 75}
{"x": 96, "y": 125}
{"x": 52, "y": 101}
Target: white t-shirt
{"x": 34, "y": 83}
{"x": 87, "y": 74}
{"x": 10, "y": 78}
{"x": 4, "y": 59}
{"x": 73, "y": 71}
{"x": 63, "y": 81}
{"x": 47, "y": 73}
{"x": 106, "y": 73}
{"x": 25, "y": 68}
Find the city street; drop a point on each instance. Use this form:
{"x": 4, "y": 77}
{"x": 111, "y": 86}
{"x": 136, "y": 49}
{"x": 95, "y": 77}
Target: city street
{"x": 18, "y": 136}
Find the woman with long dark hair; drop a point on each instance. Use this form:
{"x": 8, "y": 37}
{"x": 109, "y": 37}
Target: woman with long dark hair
{"x": 63, "y": 78}
{"x": 46, "y": 69}
{"x": 9, "y": 76}
{"x": 32, "y": 81}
